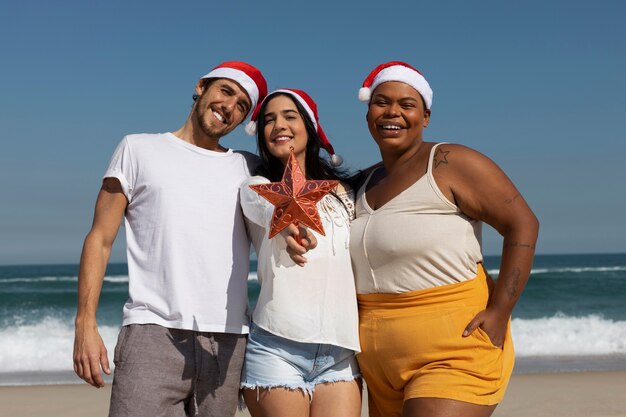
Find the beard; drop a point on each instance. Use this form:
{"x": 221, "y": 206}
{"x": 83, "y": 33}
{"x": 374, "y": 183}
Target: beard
{"x": 210, "y": 127}
{"x": 207, "y": 128}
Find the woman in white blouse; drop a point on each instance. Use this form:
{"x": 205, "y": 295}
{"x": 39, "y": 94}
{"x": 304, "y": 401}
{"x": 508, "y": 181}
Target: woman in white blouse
{"x": 300, "y": 357}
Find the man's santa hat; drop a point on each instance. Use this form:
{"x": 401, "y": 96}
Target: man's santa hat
{"x": 396, "y": 71}
{"x": 247, "y": 76}
{"x": 311, "y": 108}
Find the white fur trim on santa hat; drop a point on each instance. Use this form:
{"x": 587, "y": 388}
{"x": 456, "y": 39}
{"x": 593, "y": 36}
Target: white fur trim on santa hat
{"x": 401, "y": 74}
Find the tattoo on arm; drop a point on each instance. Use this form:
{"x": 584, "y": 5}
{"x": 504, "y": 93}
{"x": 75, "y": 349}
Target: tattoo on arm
{"x": 519, "y": 245}
{"x": 511, "y": 286}
{"x": 440, "y": 157}
{"x": 510, "y": 200}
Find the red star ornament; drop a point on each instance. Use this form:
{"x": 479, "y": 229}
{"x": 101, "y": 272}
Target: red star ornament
{"x": 295, "y": 198}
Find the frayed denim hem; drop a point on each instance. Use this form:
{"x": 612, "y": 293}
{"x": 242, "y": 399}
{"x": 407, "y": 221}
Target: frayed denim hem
{"x": 333, "y": 380}
{"x": 308, "y": 388}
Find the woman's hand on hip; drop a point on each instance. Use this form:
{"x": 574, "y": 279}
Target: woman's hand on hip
{"x": 493, "y": 323}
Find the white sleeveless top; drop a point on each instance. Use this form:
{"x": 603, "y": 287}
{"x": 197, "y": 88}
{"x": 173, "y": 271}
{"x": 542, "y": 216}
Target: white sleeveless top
{"x": 417, "y": 240}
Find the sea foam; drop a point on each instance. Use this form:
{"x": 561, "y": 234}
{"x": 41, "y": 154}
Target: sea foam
{"x": 561, "y": 335}
{"x": 44, "y": 346}
{"x": 564, "y": 270}
{"x": 47, "y": 345}
{"x": 53, "y": 279}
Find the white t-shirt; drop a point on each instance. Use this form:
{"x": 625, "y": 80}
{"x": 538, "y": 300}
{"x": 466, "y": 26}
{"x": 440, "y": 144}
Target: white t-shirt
{"x": 311, "y": 304}
{"x": 186, "y": 240}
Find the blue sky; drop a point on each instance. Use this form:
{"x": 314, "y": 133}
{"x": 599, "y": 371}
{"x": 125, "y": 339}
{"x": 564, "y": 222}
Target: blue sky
{"x": 538, "y": 86}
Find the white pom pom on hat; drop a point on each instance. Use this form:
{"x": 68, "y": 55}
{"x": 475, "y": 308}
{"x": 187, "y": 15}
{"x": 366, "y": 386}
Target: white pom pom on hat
{"x": 396, "y": 71}
{"x": 365, "y": 94}
{"x": 311, "y": 108}
{"x": 247, "y": 76}
{"x": 251, "y": 128}
{"x": 336, "y": 160}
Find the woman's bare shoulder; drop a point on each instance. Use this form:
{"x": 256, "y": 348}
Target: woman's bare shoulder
{"x": 460, "y": 158}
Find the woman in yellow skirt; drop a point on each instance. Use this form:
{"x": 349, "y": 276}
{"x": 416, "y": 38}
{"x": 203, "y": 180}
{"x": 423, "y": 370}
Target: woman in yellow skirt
{"x": 434, "y": 327}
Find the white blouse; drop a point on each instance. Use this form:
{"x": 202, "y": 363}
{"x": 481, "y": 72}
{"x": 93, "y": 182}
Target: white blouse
{"x": 311, "y": 304}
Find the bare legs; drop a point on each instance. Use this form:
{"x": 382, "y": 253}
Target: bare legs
{"x": 337, "y": 399}
{"x": 276, "y": 402}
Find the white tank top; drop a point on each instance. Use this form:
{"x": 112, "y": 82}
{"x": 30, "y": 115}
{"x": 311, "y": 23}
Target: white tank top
{"x": 417, "y": 240}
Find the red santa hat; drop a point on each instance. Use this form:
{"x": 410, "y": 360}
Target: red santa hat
{"x": 311, "y": 108}
{"x": 396, "y": 71}
{"x": 247, "y": 76}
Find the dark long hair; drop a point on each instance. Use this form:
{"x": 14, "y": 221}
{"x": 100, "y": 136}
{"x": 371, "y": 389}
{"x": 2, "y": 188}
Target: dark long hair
{"x": 316, "y": 167}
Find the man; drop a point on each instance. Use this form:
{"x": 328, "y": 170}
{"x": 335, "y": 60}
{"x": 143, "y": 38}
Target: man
{"x": 182, "y": 343}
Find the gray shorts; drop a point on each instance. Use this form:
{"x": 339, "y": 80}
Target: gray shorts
{"x": 171, "y": 372}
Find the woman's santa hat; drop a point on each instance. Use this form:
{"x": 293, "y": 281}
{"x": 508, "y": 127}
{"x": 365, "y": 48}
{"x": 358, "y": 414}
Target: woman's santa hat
{"x": 311, "y": 108}
{"x": 396, "y": 71}
{"x": 247, "y": 76}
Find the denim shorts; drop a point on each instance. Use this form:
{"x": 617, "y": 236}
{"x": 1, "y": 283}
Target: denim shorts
{"x": 275, "y": 362}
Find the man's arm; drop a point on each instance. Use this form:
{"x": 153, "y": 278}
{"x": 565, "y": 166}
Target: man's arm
{"x": 89, "y": 351}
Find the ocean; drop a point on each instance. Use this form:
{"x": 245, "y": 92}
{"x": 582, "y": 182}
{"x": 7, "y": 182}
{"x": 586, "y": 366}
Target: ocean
{"x": 572, "y": 316}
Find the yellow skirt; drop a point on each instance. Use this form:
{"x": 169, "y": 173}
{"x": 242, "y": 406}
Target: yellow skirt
{"x": 412, "y": 347}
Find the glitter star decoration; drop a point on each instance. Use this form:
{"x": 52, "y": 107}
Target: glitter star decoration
{"x": 295, "y": 198}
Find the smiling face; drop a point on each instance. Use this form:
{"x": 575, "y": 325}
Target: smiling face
{"x": 396, "y": 116}
{"x": 284, "y": 129}
{"x": 222, "y": 104}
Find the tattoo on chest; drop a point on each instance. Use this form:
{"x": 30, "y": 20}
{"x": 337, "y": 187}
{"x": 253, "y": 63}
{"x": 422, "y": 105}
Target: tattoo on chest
{"x": 441, "y": 157}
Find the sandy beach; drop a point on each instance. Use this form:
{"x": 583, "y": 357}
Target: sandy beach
{"x": 575, "y": 394}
